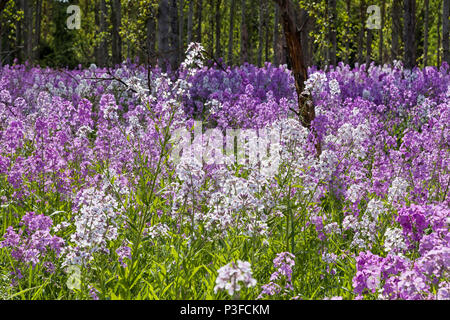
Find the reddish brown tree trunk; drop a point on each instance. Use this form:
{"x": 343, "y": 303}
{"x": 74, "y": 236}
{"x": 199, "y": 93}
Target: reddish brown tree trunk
{"x": 306, "y": 111}
{"x": 295, "y": 50}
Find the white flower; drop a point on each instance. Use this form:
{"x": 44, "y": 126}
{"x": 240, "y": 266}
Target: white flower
{"x": 398, "y": 189}
{"x": 231, "y": 276}
{"x": 394, "y": 241}
{"x": 334, "y": 87}
{"x": 375, "y": 208}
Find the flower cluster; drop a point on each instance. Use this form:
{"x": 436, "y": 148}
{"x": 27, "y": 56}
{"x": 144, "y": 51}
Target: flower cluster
{"x": 32, "y": 243}
{"x": 234, "y": 275}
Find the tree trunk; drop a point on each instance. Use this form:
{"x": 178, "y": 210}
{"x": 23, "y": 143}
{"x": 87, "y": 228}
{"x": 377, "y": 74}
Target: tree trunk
{"x": 102, "y": 50}
{"x": 396, "y": 30}
{"x": 151, "y": 37}
{"x": 266, "y": 30}
{"x": 37, "y": 29}
{"x": 381, "y": 44}
{"x": 332, "y": 33}
{"x": 295, "y": 51}
{"x": 174, "y": 44}
{"x": 218, "y": 29}
{"x": 425, "y": 35}
{"x": 368, "y": 48}
{"x": 116, "y": 39}
{"x": 260, "y": 32}
{"x": 181, "y": 31}
{"x": 244, "y": 34}
{"x": 230, "y": 32}
{"x": 445, "y": 30}
{"x": 190, "y": 15}
{"x": 199, "y": 20}
{"x": 163, "y": 33}
{"x": 438, "y": 62}
{"x": 362, "y": 16}
{"x": 409, "y": 33}
{"x": 276, "y": 35}
{"x": 28, "y": 31}
{"x": 347, "y": 43}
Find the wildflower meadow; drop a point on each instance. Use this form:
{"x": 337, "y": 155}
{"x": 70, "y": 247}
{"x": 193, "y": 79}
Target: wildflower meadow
{"x": 130, "y": 183}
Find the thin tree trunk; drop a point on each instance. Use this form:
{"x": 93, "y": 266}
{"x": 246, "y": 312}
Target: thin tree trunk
{"x": 266, "y": 30}
{"x": 347, "y": 43}
{"x": 218, "y": 29}
{"x": 211, "y": 29}
{"x": 116, "y": 18}
{"x": 174, "y": 44}
{"x": 425, "y": 36}
{"x": 151, "y": 36}
{"x": 28, "y": 31}
{"x": 332, "y": 34}
{"x": 368, "y": 48}
{"x": 230, "y": 33}
{"x": 445, "y": 30}
{"x": 409, "y": 32}
{"x": 362, "y": 16}
{"x": 199, "y": 20}
{"x": 438, "y": 62}
{"x": 396, "y": 30}
{"x": 276, "y": 60}
{"x": 163, "y": 33}
{"x": 37, "y": 29}
{"x": 381, "y": 44}
{"x": 190, "y": 15}
{"x": 244, "y": 34}
{"x": 19, "y": 36}
{"x": 260, "y": 32}
{"x": 102, "y": 50}
{"x": 181, "y": 31}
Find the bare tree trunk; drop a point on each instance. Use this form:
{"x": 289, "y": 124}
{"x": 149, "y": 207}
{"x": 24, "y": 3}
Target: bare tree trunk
{"x": 381, "y": 44}
{"x": 347, "y": 43}
{"x": 163, "y": 33}
{"x": 199, "y": 20}
{"x": 211, "y": 28}
{"x": 190, "y": 15}
{"x": 28, "y": 30}
{"x": 438, "y": 62}
{"x": 292, "y": 35}
{"x": 244, "y": 34}
{"x": 218, "y": 29}
{"x": 445, "y": 30}
{"x": 362, "y": 16}
{"x": 102, "y": 52}
{"x": 116, "y": 18}
{"x": 230, "y": 32}
{"x": 174, "y": 44}
{"x": 37, "y": 29}
{"x": 409, "y": 33}
{"x": 276, "y": 35}
{"x": 396, "y": 30}
{"x": 151, "y": 37}
{"x": 181, "y": 31}
{"x": 425, "y": 36}
{"x": 332, "y": 33}
{"x": 368, "y": 48}
{"x": 260, "y": 32}
{"x": 266, "y": 30}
